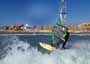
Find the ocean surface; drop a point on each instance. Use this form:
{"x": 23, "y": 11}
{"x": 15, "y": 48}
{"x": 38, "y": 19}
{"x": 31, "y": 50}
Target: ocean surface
{"x": 25, "y": 49}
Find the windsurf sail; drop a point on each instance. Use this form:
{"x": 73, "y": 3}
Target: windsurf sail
{"x": 62, "y": 15}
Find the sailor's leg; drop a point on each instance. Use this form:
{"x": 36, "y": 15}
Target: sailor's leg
{"x": 63, "y": 45}
{"x": 66, "y": 39}
{"x": 64, "y": 42}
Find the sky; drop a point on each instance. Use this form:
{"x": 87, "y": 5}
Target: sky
{"x": 42, "y": 12}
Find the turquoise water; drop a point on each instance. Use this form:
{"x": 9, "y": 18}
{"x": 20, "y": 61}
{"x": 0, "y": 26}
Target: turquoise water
{"x": 24, "y": 50}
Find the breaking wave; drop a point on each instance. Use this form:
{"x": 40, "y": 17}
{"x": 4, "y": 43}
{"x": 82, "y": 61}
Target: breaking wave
{"x": 20, "y": 52}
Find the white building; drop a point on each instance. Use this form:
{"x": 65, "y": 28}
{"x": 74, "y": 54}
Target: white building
{"x": 27, "y": 27}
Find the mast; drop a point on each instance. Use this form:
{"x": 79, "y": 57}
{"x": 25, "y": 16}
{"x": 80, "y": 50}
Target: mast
{"x": 62, "y": 16}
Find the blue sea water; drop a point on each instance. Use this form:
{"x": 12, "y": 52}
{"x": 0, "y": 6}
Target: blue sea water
{"x": 24, "y": 49}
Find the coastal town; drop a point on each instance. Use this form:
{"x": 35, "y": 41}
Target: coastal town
{"x": 83, "y": 28}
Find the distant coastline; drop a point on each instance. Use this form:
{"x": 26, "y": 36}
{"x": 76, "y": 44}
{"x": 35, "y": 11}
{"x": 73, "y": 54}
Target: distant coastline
{"x": 37, "y": 33}
{"x": 26, "y": 29}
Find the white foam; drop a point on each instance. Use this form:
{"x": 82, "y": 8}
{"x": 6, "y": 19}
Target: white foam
{"x": 21, "y": 53}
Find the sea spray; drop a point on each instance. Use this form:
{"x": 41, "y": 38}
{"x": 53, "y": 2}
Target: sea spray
{"x": 20, "y": 52}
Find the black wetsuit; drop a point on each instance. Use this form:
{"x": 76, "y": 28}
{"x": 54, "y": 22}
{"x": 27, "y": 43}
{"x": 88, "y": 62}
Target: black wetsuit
{"x": 66, "y": 39}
